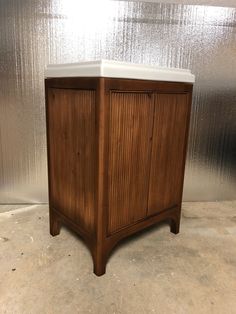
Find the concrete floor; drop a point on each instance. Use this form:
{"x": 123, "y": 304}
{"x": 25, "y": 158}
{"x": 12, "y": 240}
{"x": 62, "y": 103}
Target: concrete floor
{"x": 153, "y": 272}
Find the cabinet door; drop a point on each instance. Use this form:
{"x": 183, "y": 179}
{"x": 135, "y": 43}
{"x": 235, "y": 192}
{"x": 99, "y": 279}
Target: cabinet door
{"x": 171, "y": 115}
{"x": 130, "y": 128}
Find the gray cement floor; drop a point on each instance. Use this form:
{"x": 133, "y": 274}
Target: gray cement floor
{"x": 153, "y": 272}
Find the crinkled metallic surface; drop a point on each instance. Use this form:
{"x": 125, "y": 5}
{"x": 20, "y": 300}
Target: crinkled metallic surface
{"x": 35, "y": 33}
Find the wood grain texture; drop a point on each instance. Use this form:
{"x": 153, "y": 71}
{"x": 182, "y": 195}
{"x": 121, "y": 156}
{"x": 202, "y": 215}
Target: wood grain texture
{"x": 146, "y": 86}
{"x": 116, "y": 156}
{"x": 99, "y": 252}
{"x": 71, "y": 115}
{"x": 168, "y": 156}
{"x": 130, "y": 129}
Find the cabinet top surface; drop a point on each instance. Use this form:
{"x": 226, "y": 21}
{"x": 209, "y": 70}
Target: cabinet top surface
{"x": 115, "y": 69}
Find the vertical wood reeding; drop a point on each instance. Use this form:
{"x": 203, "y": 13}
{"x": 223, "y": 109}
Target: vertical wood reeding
{"x": 129, "y": 150}
{"x": 168, "y": 151}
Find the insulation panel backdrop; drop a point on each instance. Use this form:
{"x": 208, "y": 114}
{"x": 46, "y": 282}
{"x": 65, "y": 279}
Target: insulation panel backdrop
{"x": 35, "y": 33}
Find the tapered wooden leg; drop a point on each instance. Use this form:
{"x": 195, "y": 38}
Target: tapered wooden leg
{"x": 99, "y": 262}
{"x": 174, "y": 225}
{"x": 55, "y": 225}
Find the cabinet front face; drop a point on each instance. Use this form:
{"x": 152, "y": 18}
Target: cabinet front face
{"x": 171, "y": 117}
{"x": 129, "y": 148}
{"x": 146, "y": 154}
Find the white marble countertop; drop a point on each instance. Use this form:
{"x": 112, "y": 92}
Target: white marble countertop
{"x": 116, "y": 69}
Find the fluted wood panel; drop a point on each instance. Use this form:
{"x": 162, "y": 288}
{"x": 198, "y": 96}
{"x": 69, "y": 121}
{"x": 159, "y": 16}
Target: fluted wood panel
{"x": 71, "y": 117}
{"x": 131, "y": 116}
{"x": 167, "y": 160}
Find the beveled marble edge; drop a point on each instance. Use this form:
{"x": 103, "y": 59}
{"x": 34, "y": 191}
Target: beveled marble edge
{"x": 116, "y": 69}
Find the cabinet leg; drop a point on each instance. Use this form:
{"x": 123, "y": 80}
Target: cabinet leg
{"x": 55, "y": 225}
{"x": 99, "y": 262}
{"x": 174, "y": 225}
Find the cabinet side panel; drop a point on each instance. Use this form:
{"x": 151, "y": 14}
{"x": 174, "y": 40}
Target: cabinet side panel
{"x": 130, "y": 127}
{"x": 71, "y": 133}
{"x": 168, "y": 151}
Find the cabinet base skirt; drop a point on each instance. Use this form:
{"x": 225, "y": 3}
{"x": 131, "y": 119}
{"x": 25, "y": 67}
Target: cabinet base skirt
{"x": 101, "y": 249}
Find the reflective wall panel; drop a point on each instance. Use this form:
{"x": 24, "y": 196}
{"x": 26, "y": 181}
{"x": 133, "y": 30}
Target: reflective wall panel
{"x": 34, "y": 33}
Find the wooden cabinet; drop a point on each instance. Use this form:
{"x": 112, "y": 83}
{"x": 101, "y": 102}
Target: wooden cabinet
{"x": 116, "y": 155}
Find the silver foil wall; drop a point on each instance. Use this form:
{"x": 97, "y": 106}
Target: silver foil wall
{"x": 35, "y": 33}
